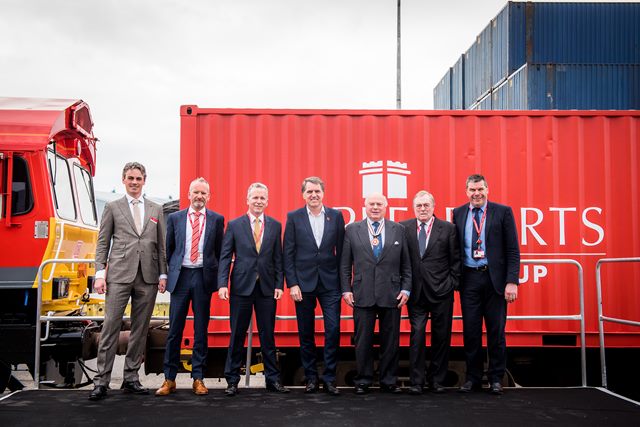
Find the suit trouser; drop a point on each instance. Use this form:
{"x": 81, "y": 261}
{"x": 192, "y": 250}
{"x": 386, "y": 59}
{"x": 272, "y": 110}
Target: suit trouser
{"x": 441, "y": 318}
{"x": 143, "y": 296}
{"x": 479, "y": 300}
{"x": 305, "y": 312}
{"x": 241, "y": 309}
{"x": 389, "y": 325}
{"x": 190, "y": 288}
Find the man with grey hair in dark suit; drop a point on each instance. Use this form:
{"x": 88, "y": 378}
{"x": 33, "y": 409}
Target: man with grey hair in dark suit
{"x": 435, "y": 261}
{"x": 130, "y": 263}
{"x": 375, "y": 275}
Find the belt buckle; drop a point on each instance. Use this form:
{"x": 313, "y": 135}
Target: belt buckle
{"x": 482, "y": 268}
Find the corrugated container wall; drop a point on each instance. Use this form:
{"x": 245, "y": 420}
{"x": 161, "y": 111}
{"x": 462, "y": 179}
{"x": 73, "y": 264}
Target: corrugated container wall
{"x": 508, "y": 41}
{"x": 457, "y": 84}
{"x": 442, "y": 93}
{"x": 578, "y": 35}
{"x": 570, "y": 87}
{"x": 572, "y": 179}
{"x": 584, "y": 33}
{"x": 477, "y": 68}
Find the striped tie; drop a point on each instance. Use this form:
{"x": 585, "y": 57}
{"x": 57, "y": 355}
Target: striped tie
{"x": 195, "y": 237}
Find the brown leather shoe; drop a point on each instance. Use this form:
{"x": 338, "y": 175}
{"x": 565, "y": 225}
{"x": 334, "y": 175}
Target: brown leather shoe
{"x": 167, "y": 388}
{"x": 199, "y": 388}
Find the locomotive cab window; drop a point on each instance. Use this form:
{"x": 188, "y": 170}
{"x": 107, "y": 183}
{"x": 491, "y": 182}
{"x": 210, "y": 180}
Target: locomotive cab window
{"x": 62, "y": 188}
{"x": 87, "y": 203}
{"x": 21, "y": 192}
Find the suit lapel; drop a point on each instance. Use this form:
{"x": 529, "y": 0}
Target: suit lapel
{"x": 363, "y": 235}
{"x": 181, "y": 231}
{"x": 436, "y": 229}
{"x": 123, "y": 205}
{"x": 389, "y": 238}
{"x": 248, "y": 232}
{"x": 304, "y": 216}
{"x": 329, "y": 223}
{"x": 147, "y": 215}
{"x": 208, "y": 226}
{"x": 488, "y": 221}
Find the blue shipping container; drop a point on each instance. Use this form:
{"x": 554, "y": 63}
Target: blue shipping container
{"x": 442, "y": 93}
{"x": 477, "y": 68}
{"x": 570, "y": 87}
{"x": 563, "y": 33}
{"x": 457, "y": 84}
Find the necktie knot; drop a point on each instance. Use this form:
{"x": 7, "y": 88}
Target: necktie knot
{"x": 423, "y": 225}
{"x": 375, "y": 225}
{"x": 196, "y": 215}
{"x": 134, "y": 202}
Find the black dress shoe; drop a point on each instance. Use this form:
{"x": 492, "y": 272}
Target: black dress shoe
{"x": 231, "y": 390}
{"x": 362, "y": 389}
{"x": 331, "y": 389}
{"x": 437, "y": 388}
{"x": 98, "y": 392}
{"x": 311, "y": 387}
{"x": 496, "y": 388}
{"x": 468, "y": 387}
{"x": 415, "y": 390}
{"x": 134, "y": 387}
{"x": 390, "y": 388}
{"x": 277, "y": 387}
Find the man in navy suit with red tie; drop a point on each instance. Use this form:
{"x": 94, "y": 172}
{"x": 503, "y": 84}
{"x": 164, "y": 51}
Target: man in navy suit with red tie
{"x": 312, "y": 250}
{"x": 194, "y": 239}
{"x": 256, "y": 282}
{"x": 491, "y": 264}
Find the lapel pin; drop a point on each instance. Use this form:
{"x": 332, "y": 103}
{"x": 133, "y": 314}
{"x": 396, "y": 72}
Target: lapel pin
{"x": 153, "y": 220}
{"x": 396, "y": 243}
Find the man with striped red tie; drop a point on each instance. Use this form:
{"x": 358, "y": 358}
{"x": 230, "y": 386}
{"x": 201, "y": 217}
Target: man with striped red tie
{"x": 194, "y": 239}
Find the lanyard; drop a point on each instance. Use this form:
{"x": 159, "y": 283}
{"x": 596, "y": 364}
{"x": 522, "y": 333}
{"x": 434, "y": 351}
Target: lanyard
{"x": 481, "y": 226}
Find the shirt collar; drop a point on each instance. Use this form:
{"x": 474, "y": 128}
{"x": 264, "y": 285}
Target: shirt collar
{"x": 191, "y": 210}
{"x": 370, "y": 222}
{"x": 252, "y": 218}
{"x": 426, "y": 223}
{"x": 482, "y": 208}
{"x": 129, "y": 198}
{"x": 312, "y": 214}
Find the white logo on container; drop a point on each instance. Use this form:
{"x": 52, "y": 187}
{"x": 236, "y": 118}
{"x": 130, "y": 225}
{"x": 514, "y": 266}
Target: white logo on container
{"x": 374, "y": 174}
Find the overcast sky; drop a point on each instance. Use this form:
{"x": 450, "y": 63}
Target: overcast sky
{"x": 136, "y": 61}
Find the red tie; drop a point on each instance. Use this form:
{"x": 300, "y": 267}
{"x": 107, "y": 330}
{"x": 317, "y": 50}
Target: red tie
{"x": 195, "y": 236}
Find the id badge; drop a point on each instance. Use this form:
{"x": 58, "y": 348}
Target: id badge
{"x": 478, "y": 254}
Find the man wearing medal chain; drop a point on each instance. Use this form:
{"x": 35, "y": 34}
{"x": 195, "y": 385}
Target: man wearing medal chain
{"x": 435, "y": 259}
{"x": 491, "y": 266}
{"x": 375, "y": 275}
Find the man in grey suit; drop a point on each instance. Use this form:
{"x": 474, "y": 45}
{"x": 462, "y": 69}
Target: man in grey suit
{"x": 435, "y": 260}
{"x": 376, "y": 257}
{"x": 130, "y": 263}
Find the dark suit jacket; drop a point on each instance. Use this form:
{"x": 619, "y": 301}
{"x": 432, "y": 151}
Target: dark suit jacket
{"x": 375, "y": 282}
{"x": 439, "y": 267}
{"x": 304, "y": 262}
{"x": 176, "y": 240}
{"x": 501, "y": 239}
{"x": 123, "y": 249}
{"x": 248, "y": 263}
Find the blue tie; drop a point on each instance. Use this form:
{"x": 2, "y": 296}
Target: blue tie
{"x": 422, "y": 239}
{"x": 377, "y": 248}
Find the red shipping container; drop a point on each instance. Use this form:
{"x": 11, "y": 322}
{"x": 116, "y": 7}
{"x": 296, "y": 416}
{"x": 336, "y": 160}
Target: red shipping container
{"x": 570, "y": 177}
